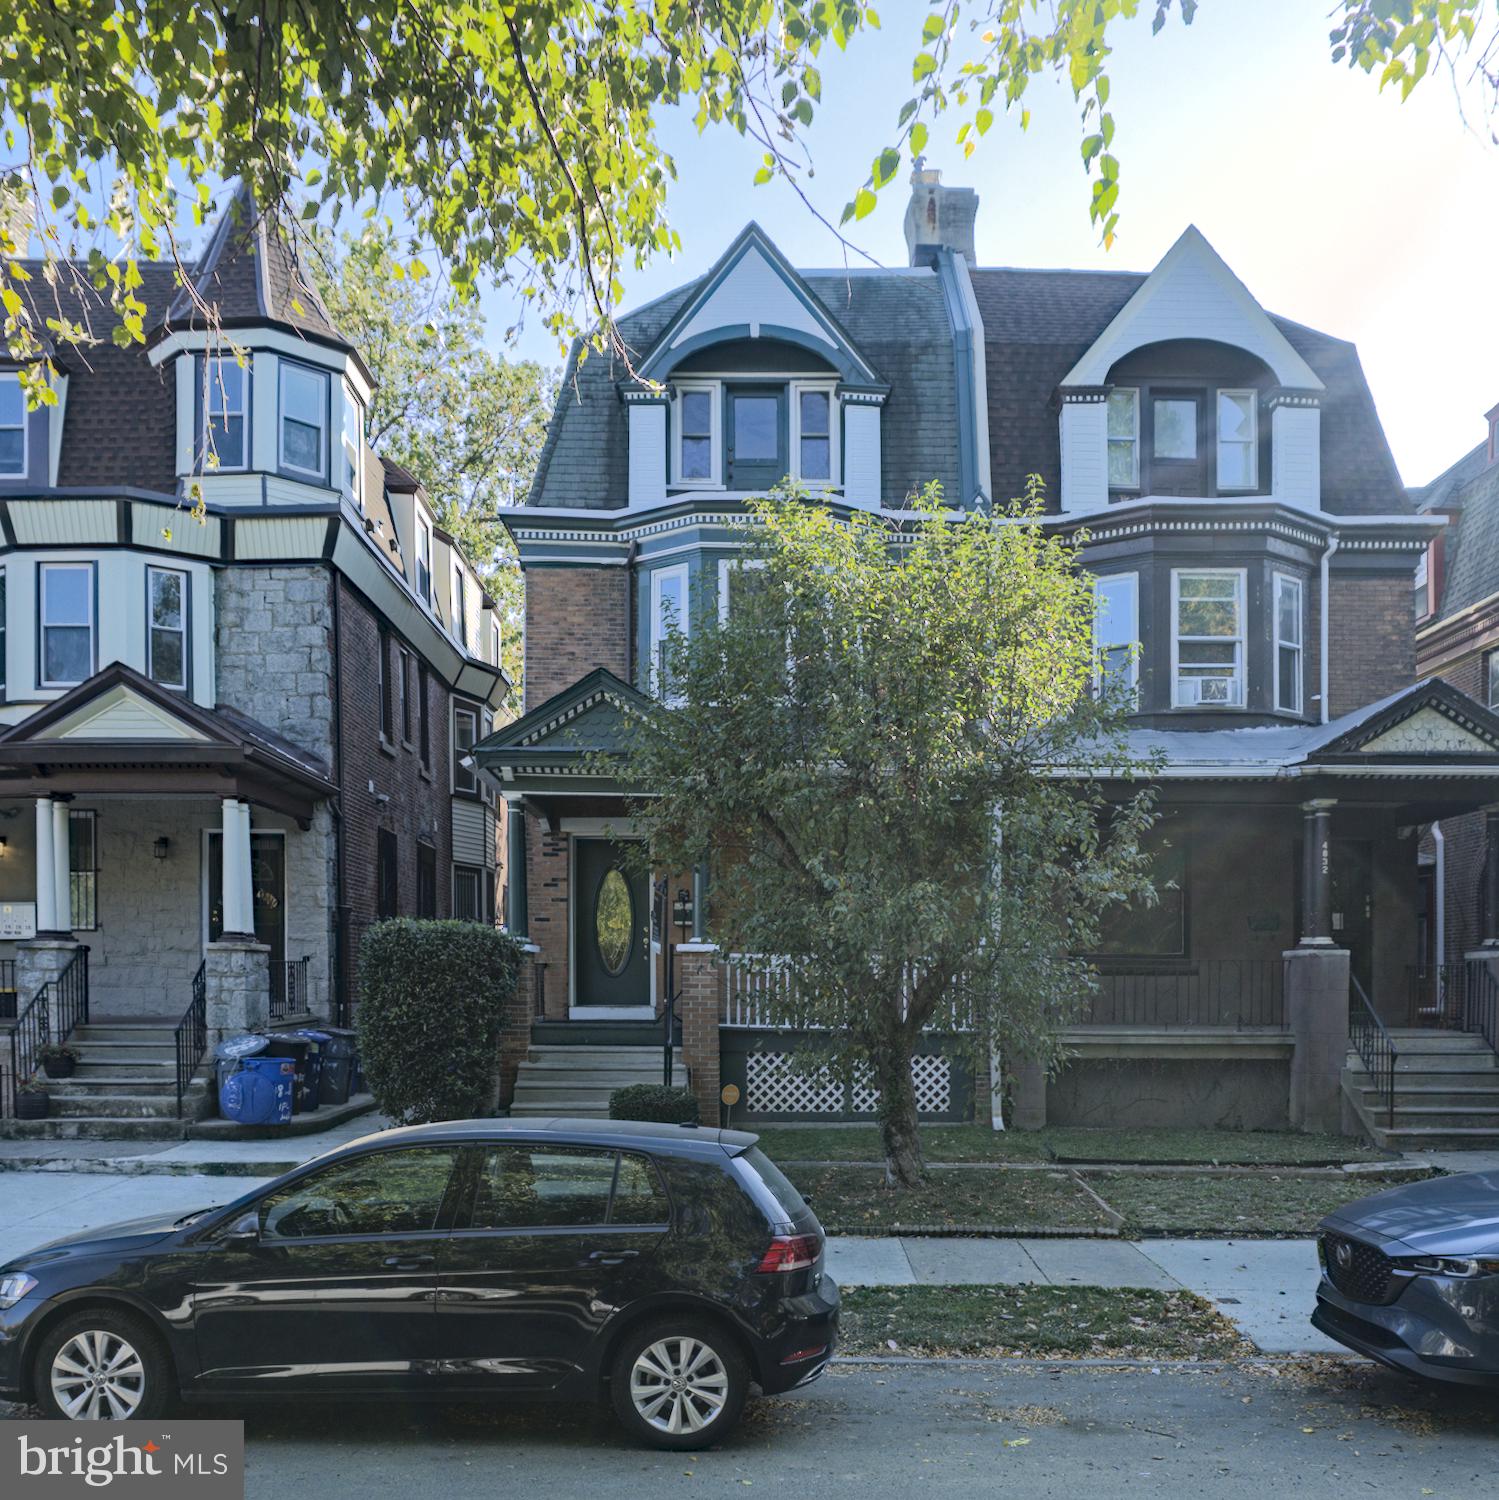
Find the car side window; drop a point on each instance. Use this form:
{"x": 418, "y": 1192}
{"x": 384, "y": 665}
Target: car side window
{"x": 639, "y": 1197}
{"x": 388, "y": 1192}
{"x": 535, "y": 1186}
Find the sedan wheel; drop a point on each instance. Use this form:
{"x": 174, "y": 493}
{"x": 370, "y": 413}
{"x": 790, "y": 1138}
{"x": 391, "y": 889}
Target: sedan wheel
{"x": 100, "y": 1367}
{"x": 679, "y": 1385}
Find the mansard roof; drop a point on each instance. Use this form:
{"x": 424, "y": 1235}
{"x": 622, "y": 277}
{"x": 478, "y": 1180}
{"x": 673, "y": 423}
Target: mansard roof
{"x": 1469, "y": 491}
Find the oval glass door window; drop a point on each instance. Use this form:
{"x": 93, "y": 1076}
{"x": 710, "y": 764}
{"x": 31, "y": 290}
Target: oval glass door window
{"x": 614, "y": 922}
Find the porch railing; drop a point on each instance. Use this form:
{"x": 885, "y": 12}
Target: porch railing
{"x": 1237, "y": 992}
{"x": 752, "y": 996}
{"x": 191, "y": 1036}
{"x": 290, "y": 995}
{"x": 1371, "y": 1039}
{"x": 1454, "y": 997}
{"x": 67, "y": 997}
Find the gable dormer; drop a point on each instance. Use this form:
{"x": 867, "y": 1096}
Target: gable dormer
{"x": 1191, "y": 390}
{"x": 753, "y": 382}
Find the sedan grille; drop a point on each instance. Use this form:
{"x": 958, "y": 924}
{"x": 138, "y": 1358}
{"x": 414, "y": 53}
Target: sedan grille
{"x": 1360, "y": 1271}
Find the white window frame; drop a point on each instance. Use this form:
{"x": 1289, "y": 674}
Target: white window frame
{"x": 829, "y": 389}
{"x": 1252, "y": 442}
{"x": 726, "y": 566}
{"x": 286, "y": 366}
{"x": 1133, "y": 392}
{"x": 1239, "y": 641}
{"x": 684, "y": 624}
{"x": 1101, "y": 584}
{"x": 44, "y": 571}
{"x": 184, "y": 631}
{"x": 213, "y": 381}
{"x": 1279, "y": 582}
{"x": 353, "y": 446}
{"x": 495, "y": 641}
{"x": 714, "y": 391}
{"x": 423, "y": 558}
{"x": 470, "y": 711}
{"x": 458, "y": 604}
{"x": 8, "y": 377}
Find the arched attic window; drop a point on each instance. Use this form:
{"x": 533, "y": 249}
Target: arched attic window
{"x": 1187, "y": 417}
{"x": 748, "y": 413}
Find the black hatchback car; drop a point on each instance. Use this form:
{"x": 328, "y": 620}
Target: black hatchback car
{"x": 667, "y": 1266}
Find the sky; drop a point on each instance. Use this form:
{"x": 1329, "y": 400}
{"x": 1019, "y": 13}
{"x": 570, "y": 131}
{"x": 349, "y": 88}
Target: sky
{"x": 1338, "y": 206}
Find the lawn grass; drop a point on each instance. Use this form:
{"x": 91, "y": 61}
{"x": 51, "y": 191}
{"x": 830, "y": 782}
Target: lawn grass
{"x": 1242, "y": 1205}
{"x": 855, "y": 1200}
{"x": 977, "y": 1143}
{"x": 1042, "y": 1322}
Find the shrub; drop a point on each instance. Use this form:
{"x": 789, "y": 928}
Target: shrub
{"x": 654, "y": 1101}
{"x": 432, "y": 998}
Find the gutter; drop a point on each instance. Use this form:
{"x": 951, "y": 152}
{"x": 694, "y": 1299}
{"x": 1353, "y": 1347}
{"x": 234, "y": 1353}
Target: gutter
{"x": 1322, "y": 662}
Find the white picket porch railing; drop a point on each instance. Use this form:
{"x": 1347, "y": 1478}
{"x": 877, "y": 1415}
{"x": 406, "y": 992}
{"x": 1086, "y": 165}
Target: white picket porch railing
{"x": 750, "y": 994}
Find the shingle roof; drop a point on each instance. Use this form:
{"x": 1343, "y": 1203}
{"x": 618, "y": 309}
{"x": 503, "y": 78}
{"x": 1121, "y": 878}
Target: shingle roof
{"x": 899, "y": 322}
{"x": 1469, "y": 491}
{"x": 1038, "y": 324}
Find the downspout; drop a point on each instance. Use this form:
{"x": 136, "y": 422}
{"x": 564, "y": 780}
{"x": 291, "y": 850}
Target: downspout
{"x": 342, "y": 1005}
{"x": 1332, "y": 546}
{"x": 1439, "y": 954}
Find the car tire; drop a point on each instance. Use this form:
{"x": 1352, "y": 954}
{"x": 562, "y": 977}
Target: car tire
{"x": 679, "y": 1383}
{"x": 103, "y": 1365}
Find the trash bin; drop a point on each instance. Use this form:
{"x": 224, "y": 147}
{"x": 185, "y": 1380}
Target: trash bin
{"x": 260, "y": 1092}
{"x": 228, "y": 1055}
{"x": 338, "y": 1059}
{"x": 298, "y": 1049}
{"x": 316, "y": 1058}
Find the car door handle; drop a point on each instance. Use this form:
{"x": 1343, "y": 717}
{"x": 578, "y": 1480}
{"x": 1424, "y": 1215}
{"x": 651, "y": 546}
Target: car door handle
{"x": 408, "y": 1262}
{"x": 612, "y": 1257}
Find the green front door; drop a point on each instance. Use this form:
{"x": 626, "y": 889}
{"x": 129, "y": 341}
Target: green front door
{"x": 611, "y": 927}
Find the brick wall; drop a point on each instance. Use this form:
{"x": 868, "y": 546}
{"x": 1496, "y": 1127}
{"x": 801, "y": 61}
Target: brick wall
{"x": 547, "y": 893}
{"x": 577, "y": 619}
{"x": 1371, "y": 638}
{"x": 415, "y": 802}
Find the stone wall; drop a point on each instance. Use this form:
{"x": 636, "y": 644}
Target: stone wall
{"x": 1121, "y": 1094}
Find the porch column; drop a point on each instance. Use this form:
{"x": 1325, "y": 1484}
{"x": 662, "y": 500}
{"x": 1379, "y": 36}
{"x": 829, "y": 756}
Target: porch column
{"x": 46, "y": 876}
{"x": 1316, "y": 874}
{"x": 1491, "y": 879}
{"x": 700, "y": 902}
{"x": 517, "y": 918}
{"x": 239, "y": 881}
{"x": 61, "y": 856}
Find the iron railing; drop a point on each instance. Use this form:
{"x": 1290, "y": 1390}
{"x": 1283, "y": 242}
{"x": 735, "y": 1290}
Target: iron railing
{"x": 8, "y": 994}
{"x": 290, "y": 995}
{"x": 1371, "y": 1039}
{"x": 66, "y": 997}
{"x": 1237, "y": 992}
{"x": 191, "y": 1035}
{"x": 1436, "y": 995}
{"x": 32, "y": 1031}
{"x": 70, "y": 999}
{"x": 1481, "y": 1002}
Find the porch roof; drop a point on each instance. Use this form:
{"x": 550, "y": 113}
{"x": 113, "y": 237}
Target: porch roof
{"x": 121, "y": 733}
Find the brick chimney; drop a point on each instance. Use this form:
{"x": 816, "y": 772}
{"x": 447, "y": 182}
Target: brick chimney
{"x": 938, "y": 217}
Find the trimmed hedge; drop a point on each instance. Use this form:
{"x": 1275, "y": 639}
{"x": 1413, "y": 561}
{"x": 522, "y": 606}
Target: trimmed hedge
{"x": 654, "y": 1101}
{"x": 432, "y": 998}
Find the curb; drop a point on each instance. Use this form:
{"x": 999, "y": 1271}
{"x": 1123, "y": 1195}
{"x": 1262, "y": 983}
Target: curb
{"x": 968, "y": 1231}
{"x": 1029, "y": 1362}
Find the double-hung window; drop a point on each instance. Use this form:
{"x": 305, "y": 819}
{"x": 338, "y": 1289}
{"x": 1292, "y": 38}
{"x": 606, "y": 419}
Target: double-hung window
{"x": 67, "y": 617}
{"x": 224, "y": 389}
{"x": 424, "y": 714}
{"x": 407, "y": 664}
{"x": 12, "y": 426}
{"x": 423, "y": 560}
{"x": 1116, "y": 628}
{"x": 814, "y": 436}
{"x": 382, "y": 688}
{"x": 83, "y": 870}
{"x": 494, "y": 642}
{"x": 668, "y": 616}
{"x": 166, "y": 626}
{"x": 695, "y": 439}
{"x": 467, "y": 901}
{"x": 1207, "y": 641}
{"x": 459, "y": 615}
{"x": 353, "y": 448}
{"x": 1124, "y": 439}
{"x": 1238, "y": 440}
{"x": 1289, "y": 654}
{"x": 465, "y": 732}
{"x": 304, "y": 420}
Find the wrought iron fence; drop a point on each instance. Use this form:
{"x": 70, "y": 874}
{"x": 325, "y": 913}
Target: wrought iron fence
{"x": 1237, "y": 992}
{"x": 1454, "y": 997}
{"x": 64, "y": 998}
{"x": 290, "y": 995}
{"x": 1372, "y": 1041}
{"x": 191, "y": 1035}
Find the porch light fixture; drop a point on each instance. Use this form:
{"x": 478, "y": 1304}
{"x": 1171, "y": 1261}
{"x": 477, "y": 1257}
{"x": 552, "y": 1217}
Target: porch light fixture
{"x": 160, "y": 847}
{"x": 4, "y": 843}
{"x": 681, "y": 909}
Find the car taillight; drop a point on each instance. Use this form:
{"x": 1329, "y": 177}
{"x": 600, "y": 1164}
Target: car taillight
{"x": 791, "y": 1252}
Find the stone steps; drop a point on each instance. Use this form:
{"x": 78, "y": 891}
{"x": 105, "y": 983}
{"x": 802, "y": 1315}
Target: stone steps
{"x": 577, "y": 1081}
{"x": 1446, "y": 1093}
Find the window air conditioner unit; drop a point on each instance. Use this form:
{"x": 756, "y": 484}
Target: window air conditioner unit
{"x": 1194, "y": 692}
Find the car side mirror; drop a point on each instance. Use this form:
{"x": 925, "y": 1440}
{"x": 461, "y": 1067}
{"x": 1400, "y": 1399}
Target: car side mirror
{"x": 245, "y": 1230}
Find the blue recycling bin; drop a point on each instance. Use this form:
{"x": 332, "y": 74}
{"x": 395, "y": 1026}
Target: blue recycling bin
{"x": 260, "y": 1091}
{"x": 228, "y": 1055}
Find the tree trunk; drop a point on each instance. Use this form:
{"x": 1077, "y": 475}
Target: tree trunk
{"x": 904, "y": 1164}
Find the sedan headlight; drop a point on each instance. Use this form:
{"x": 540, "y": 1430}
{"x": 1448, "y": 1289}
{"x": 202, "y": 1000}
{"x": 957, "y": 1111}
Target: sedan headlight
{"x": 14, "y": 1287}
{"x": 1461, "y": 1267}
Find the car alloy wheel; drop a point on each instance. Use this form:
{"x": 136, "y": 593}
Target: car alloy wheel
{"x": 98, "y": 1376}
{"x": 679, "y": 1385}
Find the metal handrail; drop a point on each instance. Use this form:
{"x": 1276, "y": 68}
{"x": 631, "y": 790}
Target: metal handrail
{"x": 289, "y": 986}
{"x": 1374, "y": 1044}
{"x": 191, "y": 1035}
{"x": 33, "y": 1027}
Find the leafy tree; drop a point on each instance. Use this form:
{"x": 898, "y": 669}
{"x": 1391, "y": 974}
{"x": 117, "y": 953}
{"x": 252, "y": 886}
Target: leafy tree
{"x": 866, "y": 750}
{"x": 466, "y": 422}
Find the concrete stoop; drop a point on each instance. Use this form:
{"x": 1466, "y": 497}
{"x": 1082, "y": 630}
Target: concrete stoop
{"x": 577, "y": 1081}
{"x": 1446, "y": 1093}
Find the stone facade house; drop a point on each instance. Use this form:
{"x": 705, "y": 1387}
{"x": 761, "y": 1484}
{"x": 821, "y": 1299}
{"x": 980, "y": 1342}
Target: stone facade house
{"x": 229, "y": 739}
{"x": 1254, "y": 553}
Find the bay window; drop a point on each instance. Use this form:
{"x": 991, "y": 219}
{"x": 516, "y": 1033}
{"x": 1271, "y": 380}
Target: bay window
{"x": 224, "y": 391}
{"x": 1116, "y": 628}
{"x": 1124, "y": 439}
{"x": 166, "y": 626}
{"x": 668, "y": 614}
{"x": 1288, "y": 644}
{"x": 67, "y": 621}
{"x": 304, "y": 420}
{"x": 1207, "y": 638}
{"x": 1238, "y": 440}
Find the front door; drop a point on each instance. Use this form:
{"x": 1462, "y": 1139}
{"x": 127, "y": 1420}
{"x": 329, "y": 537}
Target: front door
{"x": 1353, "y": 907}
{"x": 611, "y": 927}
{"x": 339, "y": 1292}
